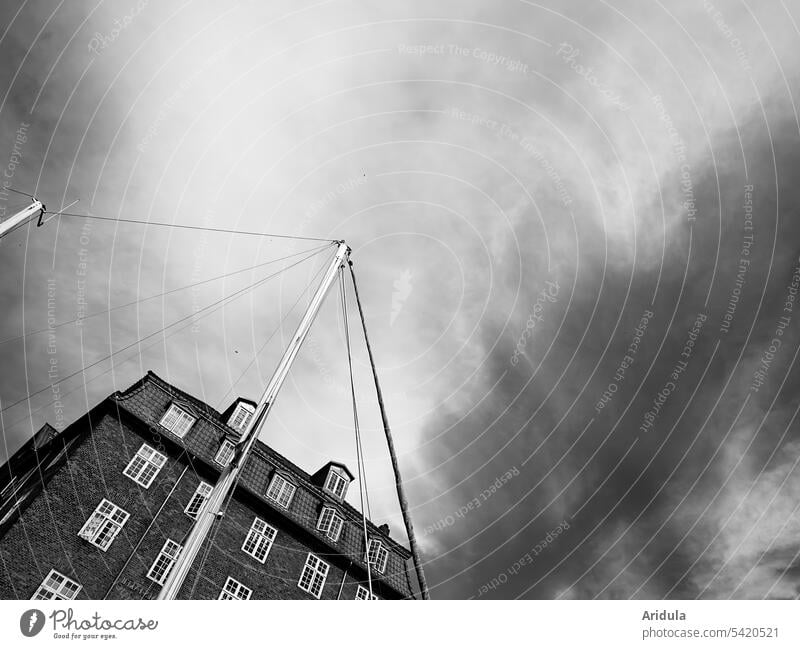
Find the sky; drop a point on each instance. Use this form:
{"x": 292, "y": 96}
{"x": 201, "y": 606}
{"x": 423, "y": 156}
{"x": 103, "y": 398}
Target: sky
{"x": 574, "y": 228}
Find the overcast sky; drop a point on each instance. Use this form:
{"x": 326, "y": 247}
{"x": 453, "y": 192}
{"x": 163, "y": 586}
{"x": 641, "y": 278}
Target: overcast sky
{"x": 575, "y": 227}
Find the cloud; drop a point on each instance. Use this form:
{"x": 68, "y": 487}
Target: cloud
{"x": 472, "y": 157}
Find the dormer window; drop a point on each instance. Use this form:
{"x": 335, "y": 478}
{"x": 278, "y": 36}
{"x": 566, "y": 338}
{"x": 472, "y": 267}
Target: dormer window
{"x": 241, "y": 416}
{"x": 337, "y": 482}
{"x": 177, "y": 421}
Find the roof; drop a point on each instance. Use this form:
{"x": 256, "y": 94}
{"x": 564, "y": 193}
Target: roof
{"x": 229, "y": 410}
{"x": 149, "y": 397}
{"x": 323, "y": 471}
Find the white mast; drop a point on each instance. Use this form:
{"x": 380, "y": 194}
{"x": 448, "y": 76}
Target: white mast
{"x": 212, "y": 507}
{"x": 34, "y": 209}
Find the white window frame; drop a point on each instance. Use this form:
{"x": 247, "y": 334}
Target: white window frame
{"x": 379, "y": 557}
{"x": 163, "y": 563}
{"x": 314, "y": 574}
{"x": 363, "y": 593}
{"x": 145, "y": 465}
{"x": 234, "y": 590}
{"x": 337, "y": 481}
{"x": 57, "y": 586}
{"x": 201, "y": 494}
{"x": 330, "y": 523}
{"x": 260, "y": 539}
{"x": 229, "y": 448}
{"x": 281, "y": 491}
{"x": 244, "y": 412}
{"x": 177, "y": 421}
{"x": 102, "y": 527}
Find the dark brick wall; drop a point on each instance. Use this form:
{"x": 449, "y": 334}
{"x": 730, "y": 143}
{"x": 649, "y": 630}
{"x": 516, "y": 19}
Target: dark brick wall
{"x": 147, "y": 400}
{"x": 45, "y": 536}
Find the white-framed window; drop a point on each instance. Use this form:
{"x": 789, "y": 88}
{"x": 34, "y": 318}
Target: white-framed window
{"x": 57, "y": 586}
{"x": 164, "y": 561}
{"x": 176, "y": 420}
{"x": 234, "y": 590}
{"x": 145, "y": 465}
{"x": 225, "y": 452}
{"x": 312, "y": 579}
{"x": 378, "y": 555}
{"x": 281, "y": 491}
{"x": 259, "y": 540}
{"x": 241, "y": 416}
{"x": 330, "y": 523}
{"x": 337, "y": 482}
{"x": 199, "y": 496}
{"x": 363, "y": 593}
{"x": 104, "y": 524}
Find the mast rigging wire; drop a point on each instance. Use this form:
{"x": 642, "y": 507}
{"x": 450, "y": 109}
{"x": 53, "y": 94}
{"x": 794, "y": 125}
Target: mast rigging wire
{"x": 401, "y": 496}
{"x": 152, "y": 297}
{"x": 274, "y": 331}
{"x": 162, "y": 329}
{"x": 162, "y": 224}
{"x": 129, "y": 358}
{"x": 212, "y": 534}
{"x": 362, "y": 475}
{"x": 196, "y": 227}
{"x": 16, "y": 191}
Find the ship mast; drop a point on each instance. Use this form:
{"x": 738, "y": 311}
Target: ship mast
{"x": 22, "y": 217}
{"x": 213, "y": 505}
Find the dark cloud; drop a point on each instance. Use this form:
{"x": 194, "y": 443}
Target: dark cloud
{"x": 693, "y": 507}
{"x": 467, "y": 186}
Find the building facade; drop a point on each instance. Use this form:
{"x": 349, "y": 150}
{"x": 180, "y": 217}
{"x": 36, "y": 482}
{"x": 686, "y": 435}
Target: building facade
{"x": 101, "y": 509}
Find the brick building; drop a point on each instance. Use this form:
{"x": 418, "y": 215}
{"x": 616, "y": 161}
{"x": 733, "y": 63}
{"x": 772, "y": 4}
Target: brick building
{"x": 100, "y": 510}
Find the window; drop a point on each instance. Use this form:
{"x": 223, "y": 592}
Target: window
{"x": 363, "y": 593}
{"x": 336, "y": 482}
{"x": 281, "y": 491}
{"x": 164, "y": 561}
{"x": 199, "y": 496}
{"x": 313, "y": 576}
{"x": 234, "y": 590}
{"x": 145, "y": 465}
{"x": 225, "y": 452}
{"x": 330, "y": 523}
{"x": 57, "y": 586}
{"x": 259, "y": 540}
{"x": 241, "y": 416}
{"x": 177, "y": 420}
{"x": 104, "y": 524}
{"x": 378, "y": 556}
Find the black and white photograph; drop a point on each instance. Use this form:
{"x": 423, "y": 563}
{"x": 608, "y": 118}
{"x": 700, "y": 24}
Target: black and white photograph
{"x": 486, "y": 305}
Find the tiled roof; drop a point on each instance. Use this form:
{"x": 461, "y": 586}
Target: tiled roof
{"x": 150, "y": 397}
